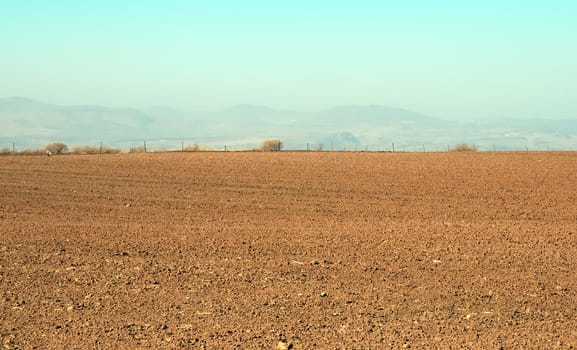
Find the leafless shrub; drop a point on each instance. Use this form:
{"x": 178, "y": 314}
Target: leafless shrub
{"x": 32, "y": 152}
{"x": 463, "y": 147}
{"x": 56, "y": 148}
{"x": 94, "y": 150}
{"x": 271, "y": 145}
{"x": 320, "y": 147}
{"x": 136, "y": 149}
{"x": 195, "y": 148}
{"x": 110, "y": 150}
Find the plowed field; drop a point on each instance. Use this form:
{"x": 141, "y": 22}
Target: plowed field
{"x": 314, "y": 250}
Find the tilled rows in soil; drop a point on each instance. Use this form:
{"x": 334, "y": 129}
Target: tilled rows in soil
{"x": 316, "y": 250}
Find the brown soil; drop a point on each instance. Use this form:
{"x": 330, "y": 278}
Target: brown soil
{"x": 319, "y": 250}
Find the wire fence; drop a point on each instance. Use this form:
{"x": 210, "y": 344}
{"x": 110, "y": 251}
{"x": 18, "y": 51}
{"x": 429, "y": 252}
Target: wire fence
{"x": 191, "y": 145}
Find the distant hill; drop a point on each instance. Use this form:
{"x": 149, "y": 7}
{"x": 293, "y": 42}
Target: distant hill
{"x": 32, "y": 123}
{"x": 24, "y": 119}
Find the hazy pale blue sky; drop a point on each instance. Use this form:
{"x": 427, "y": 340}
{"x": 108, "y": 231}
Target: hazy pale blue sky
{"x": 453, "y": 59}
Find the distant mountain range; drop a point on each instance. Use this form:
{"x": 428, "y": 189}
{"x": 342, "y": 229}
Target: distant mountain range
{"x": 30, "y": 123}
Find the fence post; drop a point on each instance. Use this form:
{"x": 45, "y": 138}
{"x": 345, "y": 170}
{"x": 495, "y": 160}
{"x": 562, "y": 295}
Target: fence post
{"x": 182, "y": 146}
{"x": 393, "y": 147}
{"x": 100, "y": 147}
{"x": 13, "y": 147}
{"x": 145, "y": 146}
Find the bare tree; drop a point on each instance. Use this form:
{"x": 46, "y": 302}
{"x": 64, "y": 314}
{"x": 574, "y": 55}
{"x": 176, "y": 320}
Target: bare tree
{"x": 271, "y": 145}
{"x": 56, "y": 148}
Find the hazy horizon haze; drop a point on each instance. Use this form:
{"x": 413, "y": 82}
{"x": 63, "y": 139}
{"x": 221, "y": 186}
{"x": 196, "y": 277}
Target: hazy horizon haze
{"x": 459, "y": 61}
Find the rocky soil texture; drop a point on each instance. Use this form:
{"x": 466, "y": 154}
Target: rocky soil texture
{"x": 282, "y": 250}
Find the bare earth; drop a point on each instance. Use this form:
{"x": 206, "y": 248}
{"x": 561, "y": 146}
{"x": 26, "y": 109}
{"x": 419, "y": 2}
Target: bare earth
{"x": 317, "y": 250}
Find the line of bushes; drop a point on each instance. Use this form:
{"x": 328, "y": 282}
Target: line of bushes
{"x": 270, "y": 145}
{"x": 94, "y": 150}
{"x": 25, "y": 152}
{"x": 60, "y": 148}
